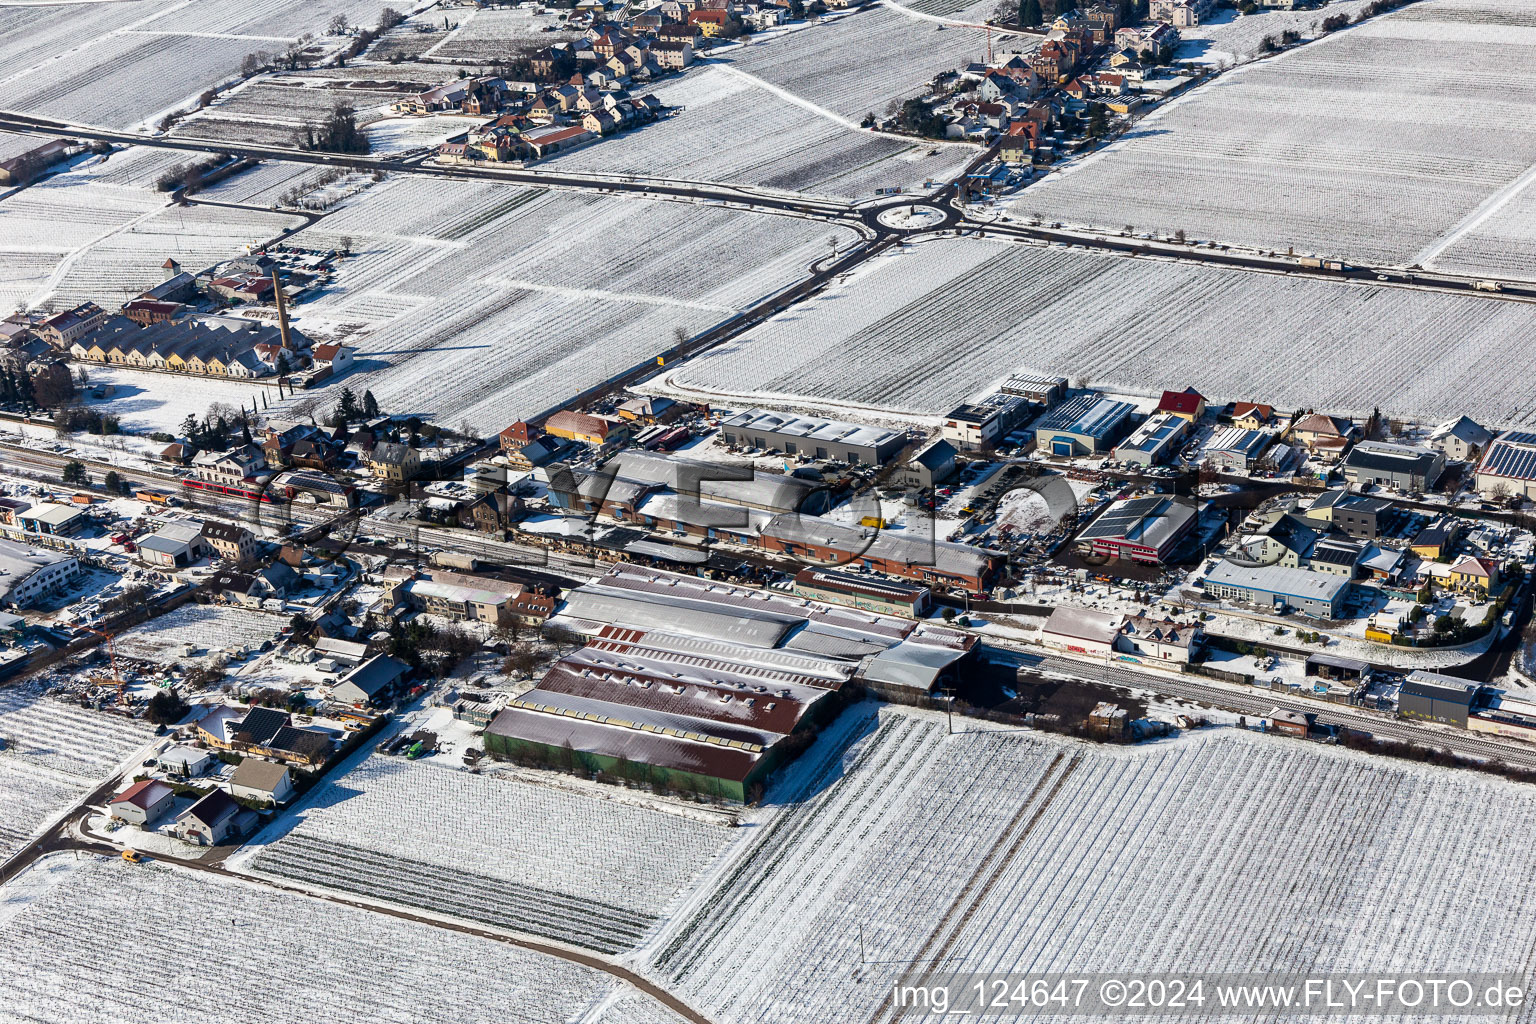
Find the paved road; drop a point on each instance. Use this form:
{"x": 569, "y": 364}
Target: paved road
{"x": 1252, "y": 700}
{"x": 741, "y": 195}
{"x": 1240, "y": 260}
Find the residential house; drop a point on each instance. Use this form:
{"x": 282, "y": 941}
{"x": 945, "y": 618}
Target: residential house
{"x": 1461, "y": 439}
{"x": 673, "y": 55}
{"x": 1508, "y": 466}
{"x": 237, "y": 467}
{"x": 1471, "y": 574}
{"x": 263, "y": 781}
{"x": 1251, "y": 415}
{"x": 231, "y": 541}
{"x": 142, "y": 802}
{"x": 1323, "y": 435}
{"x": 292, "y": 745}
{"x": 1159, "y": 639}
{"x": 393, "y": 462}
{"x": 213, "y": 820}
{"x": 1187, "y": 405}
{"x": 63, "y": 329}
{"x": 373, "y": 682}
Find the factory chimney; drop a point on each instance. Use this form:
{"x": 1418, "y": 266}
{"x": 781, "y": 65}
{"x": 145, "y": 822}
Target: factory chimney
{"x": 282, "y": 310}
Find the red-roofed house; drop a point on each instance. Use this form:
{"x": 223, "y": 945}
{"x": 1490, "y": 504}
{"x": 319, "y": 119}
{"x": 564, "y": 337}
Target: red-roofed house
{"x": 337, "y": 357}
{"x": 1188, "y": 404}
{"x": 142, "y": 802}
{"x": 1251, "y": 415}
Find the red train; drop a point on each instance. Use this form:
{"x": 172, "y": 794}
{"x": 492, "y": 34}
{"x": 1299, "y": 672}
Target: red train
{"x": 234, "y": 492}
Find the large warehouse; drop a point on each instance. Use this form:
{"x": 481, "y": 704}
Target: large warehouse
{"x": 1276, "y": 587}
{"x": 1154, "y": 441}
{"x": 700, "y": 685}
{"x": 815, "y": 437}
{"x": 713, "y": 719}
{"x": 1144, "y": 530}
{"x": 1087, "y": 425}
{"x": 1433, "y": 697}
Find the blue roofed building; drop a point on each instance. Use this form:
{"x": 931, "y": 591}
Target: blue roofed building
{"x": 1154, "y": 441}
{"x": 1087, "y": 425}
{"x": 1509, "y": 465}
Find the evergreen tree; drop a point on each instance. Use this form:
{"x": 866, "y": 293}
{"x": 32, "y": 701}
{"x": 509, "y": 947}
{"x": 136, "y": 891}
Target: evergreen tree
{"x": 370, "y": 405}
{"x": 1029, "y": 13}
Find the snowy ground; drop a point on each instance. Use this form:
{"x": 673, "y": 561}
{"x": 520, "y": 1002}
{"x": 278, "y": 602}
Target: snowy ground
{"x": 575, "y": 866}
{"x": 1326, "y": 147}
{"x": 146, "y": 401}
{"x": 124, "y": 65}
{"x": 208, "y": 628}
{"x": 75, "y": 742}
{"x": 101, "y": 232}
{"x": 926, "y": 326}
{"x": 1228, "y": 37}
{"x": 29, "y": 799}
{"x": 493, "y": 302}
{"x": 74, "y": 955}
{"x": 1014, "y": 851}
{"x": 734, "y": 128}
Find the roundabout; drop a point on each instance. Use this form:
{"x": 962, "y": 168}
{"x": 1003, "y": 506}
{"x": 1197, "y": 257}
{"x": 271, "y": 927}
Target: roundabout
{"x": 915, "y": 216}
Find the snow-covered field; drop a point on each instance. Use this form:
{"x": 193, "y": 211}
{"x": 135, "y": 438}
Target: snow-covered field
{"x": 100, "y": 940}
{"x": 101, "y": 232}
{"x": 28, "y": 800}
{"x": 1377, "y": 144}
{"x": 145, "y": 401}
{"x": 736, "y": 129}
{"x": 493, "y": 302}
{"x": 924, "y": 327}
{"x": 898, "y": 57}
{"x": 1230, "y": 38}
{"x": 1014, "y": 851}
{"x": 125, "y": 64}
{"x": 490, "y": 35}
{"x": 587, "y": 870}
{"x": 210, "y": 628}
{"x": 65, "y": 738}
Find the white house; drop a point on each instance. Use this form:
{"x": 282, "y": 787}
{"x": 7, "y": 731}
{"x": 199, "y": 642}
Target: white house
{"x": 142, "y": 802}
{"x": 27, "y": 574}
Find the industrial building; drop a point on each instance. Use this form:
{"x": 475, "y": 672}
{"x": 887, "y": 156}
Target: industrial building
{"x": 1509, "y": 465}
{"x": 1087, "y": 425}
{"x": 1406, "y": 467}
{"x": 1037, "y": 388}
{"x": 1278, "y": 588}
{"x": 700, "y": 685}
{"x": 813, "y": 437}
{"x": 1081, "y": 630}
{"x": 1433, "y": 697}
{"x": 638, "y": 702}
{"x": 1234, "y": 450}
{"x": 1154, "y": 441}
{"x": 977, "y": 425}
{"x": 909, "y": 554}
{"x": 1144, "y": 530}
{"x": 27, "y": 574}
{"x": 52, "y": 518}
{"x": 859, "y": 590}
